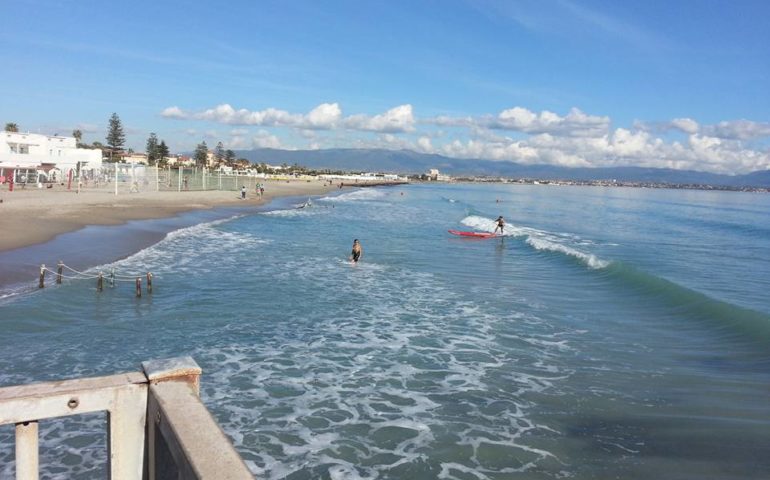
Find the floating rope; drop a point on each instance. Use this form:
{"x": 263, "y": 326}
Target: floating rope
{"x": 111, "y": 276}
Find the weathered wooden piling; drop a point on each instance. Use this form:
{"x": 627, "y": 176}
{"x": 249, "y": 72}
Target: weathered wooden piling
{"x": 42, "y": 276}
{"x": 100, "y": 282}
{"x": 59, "y": 270}
{"x": 149, "y": 283}
{"x": 138, "y": 287}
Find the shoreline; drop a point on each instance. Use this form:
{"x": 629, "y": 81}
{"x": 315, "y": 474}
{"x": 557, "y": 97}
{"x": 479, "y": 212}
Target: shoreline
{"x": 98, "y": 227}
{"x": 37, "y": 216}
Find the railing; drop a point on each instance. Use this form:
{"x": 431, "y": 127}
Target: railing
{"x": 157, "y": 426}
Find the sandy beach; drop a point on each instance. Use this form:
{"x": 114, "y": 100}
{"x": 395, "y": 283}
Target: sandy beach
{"x": 33, "y": 216}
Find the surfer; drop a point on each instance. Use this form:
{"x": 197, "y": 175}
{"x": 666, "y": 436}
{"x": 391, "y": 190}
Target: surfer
{"x": 500, "y": 224}
{"x": 355, "y": 254}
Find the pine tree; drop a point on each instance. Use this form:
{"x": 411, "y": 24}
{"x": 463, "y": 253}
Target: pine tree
{"x": 219, "y": 153}
{"x": 152, "y": 149}
{"x": 229, "y": 157}
{"x": 163, "y": 152}
{"x": 115, "y": 136}
{"x": 201, "y": 154}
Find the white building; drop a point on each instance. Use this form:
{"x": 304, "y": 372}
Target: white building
{"x": 42, "y": 153}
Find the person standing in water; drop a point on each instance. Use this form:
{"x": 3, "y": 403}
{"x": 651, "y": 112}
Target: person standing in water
{"x": 355, "y": 254}
{"x": 500, "y": 224}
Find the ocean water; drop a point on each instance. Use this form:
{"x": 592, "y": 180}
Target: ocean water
{"x": 610, "y": 333}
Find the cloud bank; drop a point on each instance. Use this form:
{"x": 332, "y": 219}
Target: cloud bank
{"x": 517, "y": 134}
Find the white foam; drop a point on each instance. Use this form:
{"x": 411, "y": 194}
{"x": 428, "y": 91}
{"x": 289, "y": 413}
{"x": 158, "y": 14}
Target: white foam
{"x": 541, "y": 240}
{"x": 187, "y": 251}
{"x": 363, "y": 194}
{"x": 374, "y": 381}
{"x": 297, "y": 212}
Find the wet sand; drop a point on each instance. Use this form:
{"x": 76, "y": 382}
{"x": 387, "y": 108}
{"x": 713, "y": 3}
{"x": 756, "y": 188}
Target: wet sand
{"x": 34, "y": 216}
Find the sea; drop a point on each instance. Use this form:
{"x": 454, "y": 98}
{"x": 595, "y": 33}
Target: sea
{"x": 609, "y": 333}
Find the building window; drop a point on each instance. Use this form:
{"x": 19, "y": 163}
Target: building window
{"x": 14, "y": 147}
{"x": 24, "y": 149}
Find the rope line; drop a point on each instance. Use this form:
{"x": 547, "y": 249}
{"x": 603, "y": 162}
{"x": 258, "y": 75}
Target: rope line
{"x": 110, "y": 277}
{"x": 89, "y": 277}
{"x": 105, "y": 275}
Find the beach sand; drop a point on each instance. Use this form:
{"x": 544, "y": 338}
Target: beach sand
{"x": 33, "y": 216}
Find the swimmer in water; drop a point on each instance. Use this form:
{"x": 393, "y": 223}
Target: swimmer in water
{"x": 355, "y": 254}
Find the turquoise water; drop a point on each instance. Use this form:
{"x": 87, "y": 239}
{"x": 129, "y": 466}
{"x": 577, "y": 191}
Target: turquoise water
{"x": 611, "y": 333}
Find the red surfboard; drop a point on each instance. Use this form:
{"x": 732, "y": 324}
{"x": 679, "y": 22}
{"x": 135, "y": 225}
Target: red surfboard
{"x": 472, "y": 234}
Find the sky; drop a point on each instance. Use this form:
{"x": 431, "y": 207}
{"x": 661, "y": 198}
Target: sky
{"x": 659, "y": 83}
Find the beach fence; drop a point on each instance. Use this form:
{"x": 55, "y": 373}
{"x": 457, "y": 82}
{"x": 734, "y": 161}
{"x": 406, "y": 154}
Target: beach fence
{"x": 157, "y": 426}
{"x": 131, "y": 178}
{"x": 63, "y": 272}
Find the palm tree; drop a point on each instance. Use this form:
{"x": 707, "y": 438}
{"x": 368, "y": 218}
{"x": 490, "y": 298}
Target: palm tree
{"x": 11, "y": 127}
{"x": 78, "y": 135}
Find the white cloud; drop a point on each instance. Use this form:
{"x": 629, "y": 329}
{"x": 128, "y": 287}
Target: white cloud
{"x": 326, "y": 116}
{"x": 687, "y": 125}
{"x": 424, "y": 145}
{"x": 398, "y": 119}
{"x": 575, "y": 123}
{"x": 516, "y": 134}
{"x": 263, "y": 139}
{"x": 173, "y": 112}
{"x": 739, "y": 129}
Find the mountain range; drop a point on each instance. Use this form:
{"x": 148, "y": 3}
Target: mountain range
{"x": 409, "y": 162}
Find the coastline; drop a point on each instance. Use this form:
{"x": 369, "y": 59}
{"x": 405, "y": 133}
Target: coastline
{"x": 95, "y": 226}
{"x": 35, "y": 216}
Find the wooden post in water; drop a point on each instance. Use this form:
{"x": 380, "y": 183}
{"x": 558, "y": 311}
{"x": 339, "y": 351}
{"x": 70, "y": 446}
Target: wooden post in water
{"x": 149, "y": 283}
{"x": 42, "y": 276}
{"x": 59, "y": 271}
{"x": 99, "y": 282}
{"x": 138, "y": 287}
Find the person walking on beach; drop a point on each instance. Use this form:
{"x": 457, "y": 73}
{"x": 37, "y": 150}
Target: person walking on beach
{"x": 243, "y": 192}
{"x": 355, "y": 254}
{"x": 500, "y": 224}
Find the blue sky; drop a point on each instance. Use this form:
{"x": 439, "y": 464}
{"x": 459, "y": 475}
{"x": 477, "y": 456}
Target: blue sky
{"x": 580, "y": 83}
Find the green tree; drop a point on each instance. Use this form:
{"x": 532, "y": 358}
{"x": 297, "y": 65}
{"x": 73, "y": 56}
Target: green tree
{"x": 11, "y": 127}
{"x": 78, "y": 136}
{"x": 229, "y": 157}
{"x": 201, "y": 154}
{"x": 219, "y": 153}
{"x": 152, "y": 149}
{"x": 163, "y": 152}
{"x": 115, "y": 136}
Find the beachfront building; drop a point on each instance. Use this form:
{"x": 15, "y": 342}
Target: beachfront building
{"x": 139, "y": 158}
{"x": 179, "y": 161}
{"x": 32, "y": 157}
{"x": 436, "y": 176}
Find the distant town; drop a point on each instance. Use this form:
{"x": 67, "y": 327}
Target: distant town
{"x": 33, "y": 158}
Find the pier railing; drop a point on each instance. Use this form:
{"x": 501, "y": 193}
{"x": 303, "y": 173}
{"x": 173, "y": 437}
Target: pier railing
{"x": 157, "y": 427}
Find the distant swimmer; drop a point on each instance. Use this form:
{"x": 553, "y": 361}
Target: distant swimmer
{"x": 500, "y": 224}
{"x": 355, "y": 254}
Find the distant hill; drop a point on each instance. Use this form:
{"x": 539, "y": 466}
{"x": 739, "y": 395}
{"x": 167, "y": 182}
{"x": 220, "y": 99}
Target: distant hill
{"x": 408, "y": 162}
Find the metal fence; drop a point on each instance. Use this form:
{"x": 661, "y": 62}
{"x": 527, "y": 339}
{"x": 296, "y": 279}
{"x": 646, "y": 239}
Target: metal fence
{"x": 140, "y": 178}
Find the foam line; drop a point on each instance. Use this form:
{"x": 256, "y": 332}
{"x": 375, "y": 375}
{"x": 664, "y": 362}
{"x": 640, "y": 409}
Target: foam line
{"x": 540, "y": 240}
